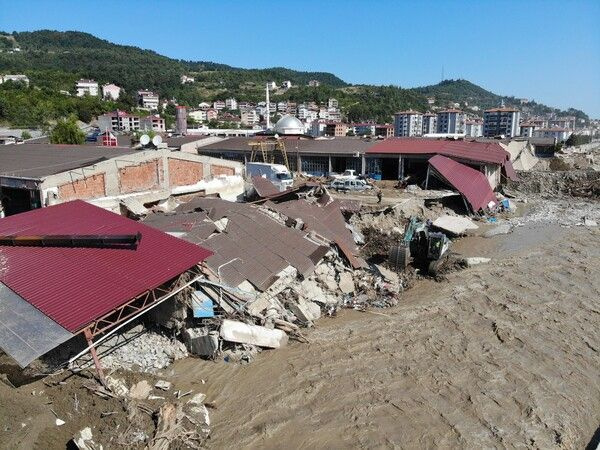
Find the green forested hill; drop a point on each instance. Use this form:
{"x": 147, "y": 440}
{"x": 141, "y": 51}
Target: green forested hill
{"x": 54, "y": 60}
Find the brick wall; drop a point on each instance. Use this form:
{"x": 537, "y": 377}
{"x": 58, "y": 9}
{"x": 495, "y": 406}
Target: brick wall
{"x": 89, "y": 187}
{"x": 142, "y": 177}
{"x": 183, "y": 173}
{"x": 221, "y": 170}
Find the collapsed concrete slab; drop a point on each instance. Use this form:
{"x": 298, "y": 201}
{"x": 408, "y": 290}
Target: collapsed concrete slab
{"x": 243, "y": 333}
{"x": 201, "y": 342}
{"x": 455, "y": 225}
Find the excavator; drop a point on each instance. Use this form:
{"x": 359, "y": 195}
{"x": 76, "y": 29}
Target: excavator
{"x": 421, "y": 246}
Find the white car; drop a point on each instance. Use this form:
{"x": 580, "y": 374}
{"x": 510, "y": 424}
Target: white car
{"x": 349, "y": 174}
{"x": 350, "y": 185}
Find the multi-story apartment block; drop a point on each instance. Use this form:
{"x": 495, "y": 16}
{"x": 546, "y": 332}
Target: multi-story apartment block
{"x": 154, "y": 123}
{"x": 559, "y": 134}
{"x": 250, "y": 117}
{"x": 118, "y": 121}
{"x": 219, "y": 105}
{"x": 199, "y": 115}
{"x": 147, "y": 99}
{"x": 282, "y": 106}
{"x": 185, "y": 79}
{"x": 473, "y": 128}
{"x": 451, "y": 121}
{"x": 86, "y": 87}
{"x": 231, "y": 103}
{"x": 429, "y": 124}
{"x": 501, "y": 122}
{"x": 286, "y": 84}
{"x": 204, "y": 105}
{"x": 385, "y": 130}
{"x": 527, "y": 129}
{"x": 272, "y": 85}
{"x": 111, "y": 92}
{"x": 336, "y": 129}
{"x": 408, "y": 123}
{"x": 563, "y": 122}
{"x": 212, "y": 114}
{"x": 333, "y": 103}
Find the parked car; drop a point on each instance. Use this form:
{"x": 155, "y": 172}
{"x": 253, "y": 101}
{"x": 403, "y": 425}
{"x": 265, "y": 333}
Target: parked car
{"x": 350, "y": 185}
{"x": 349, "y": 174}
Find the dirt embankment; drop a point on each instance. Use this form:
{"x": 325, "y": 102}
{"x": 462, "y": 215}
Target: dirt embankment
{"x": 505, "y": 354}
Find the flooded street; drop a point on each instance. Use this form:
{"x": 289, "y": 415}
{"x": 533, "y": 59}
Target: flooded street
{"x": 502, "y": 354}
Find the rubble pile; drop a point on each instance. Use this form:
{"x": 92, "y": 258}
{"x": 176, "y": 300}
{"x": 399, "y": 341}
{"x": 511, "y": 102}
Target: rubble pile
{"x": 575, "y": 183}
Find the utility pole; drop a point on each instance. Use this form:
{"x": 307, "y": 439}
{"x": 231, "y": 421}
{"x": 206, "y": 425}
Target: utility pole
{"x": 268, "y": 109}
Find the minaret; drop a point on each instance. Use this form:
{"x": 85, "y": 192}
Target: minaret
{"x": 268, "y": 109}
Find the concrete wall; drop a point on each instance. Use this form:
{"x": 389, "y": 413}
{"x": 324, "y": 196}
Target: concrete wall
{"x": 146, "y": 174}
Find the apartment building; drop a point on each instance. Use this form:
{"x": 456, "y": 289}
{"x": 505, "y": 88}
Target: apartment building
{"x": 154, "y": 123}
{"x": 186, "y": 79}
{"x": 314, "y": 83}
{"x": 17, "y": 78}
{"x": 147, "y": 99}
{"x": 212, "y": 114}
{"x": 118, "y": 121}
{"x": 199, "y": 115}
{"x": 86, "y": 87}
{"x": 501, "y": 122}
{"x": 473, "y": 128}
{"x": 250, "y": 117}
{"x": 563, "y": 122}
{"x": 336, "y": 129}
{"x": 429, "y": 123}
{"x": 558, "y": 134}
{"x": 408, "y": 123}
{"x": 111, "y": 91}
{"x": 219, "y": 105}
{"x": 286, "y": 84}
{"x": 231, "y": 103}
{"x": 451, "y": 121}
{"x": 333, "y": 103}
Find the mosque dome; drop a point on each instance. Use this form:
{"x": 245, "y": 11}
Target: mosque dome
{"x": 288, "y": 124}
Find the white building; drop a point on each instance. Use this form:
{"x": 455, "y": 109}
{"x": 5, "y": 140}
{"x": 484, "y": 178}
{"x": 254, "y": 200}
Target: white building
{"x": 272, "y": 85}
{"x": 219, "y": 105}
{"x": 250, "y": 117}
{"x": 111, "y": 92}
{"x": 86, "y": 87}
{"x": 429, "y": 124}
{"x": 231, "y": 103}
{"x": 199, "y": 115}
{"x": 185, "y": 79}
{"x": 473, "y": 128}
{"x": 17, "y": 78}
{"x": 333, "y": 103}
{"x": 147, "y": 99}
{"x": 314, "y": 83}
{"x": 408, "y": 123}
{"x": 501, "y": 122}
{"x": 286, "y": 84}
{"x": 282, "y": 106}
{"x": 204, "y": 106}
{"x": 527, "y": 129}
{"x": 451, "y": 121}
{"x": 559, "y": 134}
{"x": 563, "y": 122}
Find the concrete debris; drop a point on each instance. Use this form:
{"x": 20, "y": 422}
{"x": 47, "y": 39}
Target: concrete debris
{"x": 117, "y": 386}
{"x": 455, "y": 225}
{"x": 346, "y": 283}
{"x": 84, "y": 440}
{"x": 243, "y": 333}
{"x": 163, "y": 385}
{"x": 201, "y": 341}
{"x": 504, "y": 228}
{"x": 140, "y": 390}
{"x": 475, "y": 260}
{"x": 589, "y": 222}
{"x": 305, "y": 310}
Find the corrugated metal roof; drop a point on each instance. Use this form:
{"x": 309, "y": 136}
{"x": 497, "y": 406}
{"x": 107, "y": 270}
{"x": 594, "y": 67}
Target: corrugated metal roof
{"x": 490, "y": 152}
{"x": 346, "y": 146}
{"x": 471, "y": 183}
{"x": 75, "y": 286}
{"x": 264, "y": 187}
{"x": 509, "y": 170}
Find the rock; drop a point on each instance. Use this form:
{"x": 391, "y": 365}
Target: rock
{"x": 140, "y": 390}
{"x": 329, "y": 281}
{"x": 454, "y": 225}
{"x": 84, "y": 440}
{"x": 163, "y": 385}
{"x": 388, "y": 275}
{"x": 234, "y": 331}
{"x": 504, "y": 228}
{"x": 201, "y": 342}
{"x": 310, "y": 289}
{"x": 589, "y": 222}
{"x": 346, "y": 283}
{"x": 473, "y": 261}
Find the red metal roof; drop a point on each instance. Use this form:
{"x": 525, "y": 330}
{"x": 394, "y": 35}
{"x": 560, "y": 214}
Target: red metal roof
{"x": 75, "y": 286}
{"x": 471, "y": 183}
{"x": 487, "y": 152}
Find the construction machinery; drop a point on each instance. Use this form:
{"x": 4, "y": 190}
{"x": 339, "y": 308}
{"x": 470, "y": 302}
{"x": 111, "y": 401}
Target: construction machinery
{"x": 421, "y": 246}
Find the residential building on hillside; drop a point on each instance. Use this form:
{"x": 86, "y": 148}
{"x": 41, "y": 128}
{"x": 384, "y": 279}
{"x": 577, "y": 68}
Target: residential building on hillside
{"x": 363, "y": 129}
{"x": 86, "y": 87}
{"x": 154, "y": 123}
{"x": 204, "y": 105}
{"x": 17, "y": 78}
{"x": 286, "y": 84}
{"x": 501, "y": 122}
{"x": 212, "y": 114}
{"x": 272, "y": 85}
{"x": 429, "y": 123}
{"x": 558, "y": 134}
{"x": 111, "y": 91}
{"x": 563, "y": 122}
{"x": 408, "y": 123}
{"x": 185, "y": 79}
{"x": 473, "y": 128}
{"x": 250, "y": 117}
{"x": 282, "y": 106}
{"x": 527, "y": 129}
{"x": 118, "y": 121}
{"x": 147, "y": 99}
{"x": 385, "y": 130}
{"x": 219, "y": 105}
{"x": 336, "y": 129}
{"x": 314, "y": 83}
{"x": 451, "y": 121}
{"x": 333, "y": 103}
{"x": 199, "y": 115}
{"x": 231, "y": 103}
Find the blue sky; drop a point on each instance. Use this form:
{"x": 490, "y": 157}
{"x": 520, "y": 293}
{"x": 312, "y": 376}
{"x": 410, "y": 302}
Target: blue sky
{"x": 546, "y": 50}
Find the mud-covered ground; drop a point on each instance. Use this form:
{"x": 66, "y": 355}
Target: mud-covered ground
{"x": 504, "y": 354}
